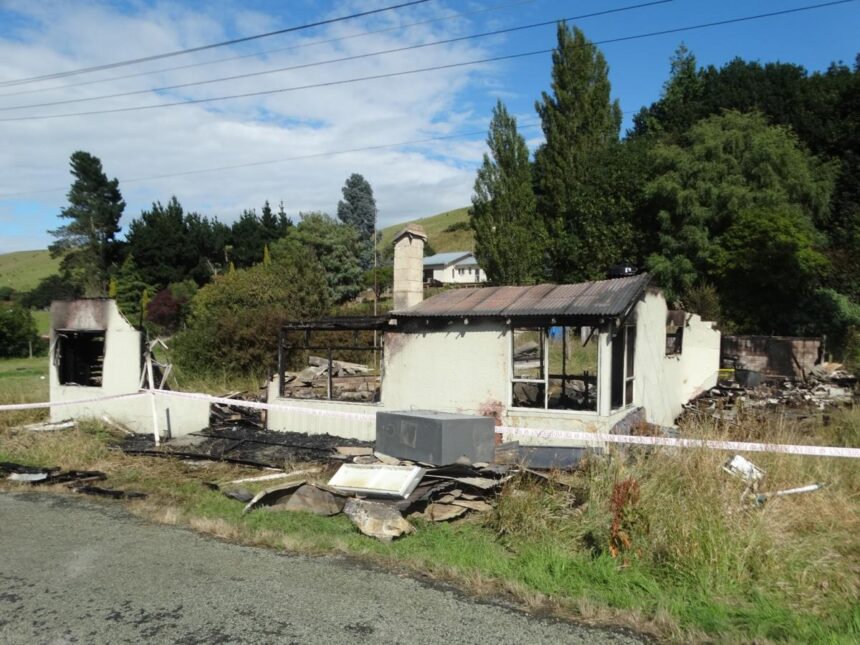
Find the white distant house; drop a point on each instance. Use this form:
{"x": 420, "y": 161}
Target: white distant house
{"x": 455, "y": 267}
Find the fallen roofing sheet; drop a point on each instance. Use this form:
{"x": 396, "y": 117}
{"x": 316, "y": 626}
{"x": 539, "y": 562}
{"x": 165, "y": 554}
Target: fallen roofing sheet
{"x": 597, "y": 298}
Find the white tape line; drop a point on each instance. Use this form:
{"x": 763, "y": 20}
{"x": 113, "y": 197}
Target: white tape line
{"x": 588, "y": 438}
{"x": 271, "y": 406}
{"x": 738, "y": 446}
{"x": 60, "y": 404}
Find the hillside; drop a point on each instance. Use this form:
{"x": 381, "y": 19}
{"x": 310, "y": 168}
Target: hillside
{"x": 22, "y": 270}
{"x": 435, "y": 226}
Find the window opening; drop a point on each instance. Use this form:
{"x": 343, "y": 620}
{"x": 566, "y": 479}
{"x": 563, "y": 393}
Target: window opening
{"x": 623, "y": 366}
{"x": 572, "y": 368}
{"x": 529, "y": 384}
{"x": 675, "y": 332}
{"x": 79, "y": 357}
{"x": 555, "y": 368}
{"x": 331, "y": 364}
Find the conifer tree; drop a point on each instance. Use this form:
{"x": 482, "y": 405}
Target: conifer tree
{"x": 580, "y": 123}
{"x": 358, "y": 210}
{"x": 508, "y": 235}
{"x": 88, "y": 242}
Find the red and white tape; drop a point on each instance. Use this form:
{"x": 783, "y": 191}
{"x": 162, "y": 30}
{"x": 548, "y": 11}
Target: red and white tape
{"x": 587, "y": 438}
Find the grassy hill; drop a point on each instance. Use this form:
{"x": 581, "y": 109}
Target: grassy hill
{"x": 435, "y": 225}
{"x": 22, "y": 270}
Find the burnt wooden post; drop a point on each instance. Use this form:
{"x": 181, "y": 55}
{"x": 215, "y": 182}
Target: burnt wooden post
{"x": 281, "y": 362}
{"x": 329, "y": 374}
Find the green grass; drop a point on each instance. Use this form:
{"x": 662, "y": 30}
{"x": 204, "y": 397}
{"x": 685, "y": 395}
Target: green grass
{"x": 689, "y": 562}
{"x": 43, "y": 321}
{"x": 435, "y": 226}
{"x": 22, "y": 270}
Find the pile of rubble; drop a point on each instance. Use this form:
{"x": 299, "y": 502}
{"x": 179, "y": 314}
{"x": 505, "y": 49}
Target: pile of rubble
{"x": 827, "y": 385}
{"x": 381, "y": 497}
{"x": 349, "y": 381}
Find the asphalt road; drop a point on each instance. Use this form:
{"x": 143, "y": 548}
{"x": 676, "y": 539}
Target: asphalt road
{"x": 72, "y": 570}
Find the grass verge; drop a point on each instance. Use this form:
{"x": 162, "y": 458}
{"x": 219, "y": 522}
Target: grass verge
{"x": 657, "y": 541}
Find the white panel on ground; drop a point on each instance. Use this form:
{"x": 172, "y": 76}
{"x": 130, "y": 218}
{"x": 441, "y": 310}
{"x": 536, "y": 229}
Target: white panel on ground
{"x": 377, "y": 480}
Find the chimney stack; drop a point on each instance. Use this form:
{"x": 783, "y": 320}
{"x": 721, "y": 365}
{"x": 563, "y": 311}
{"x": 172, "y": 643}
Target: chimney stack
{"x": 409, "y": 266}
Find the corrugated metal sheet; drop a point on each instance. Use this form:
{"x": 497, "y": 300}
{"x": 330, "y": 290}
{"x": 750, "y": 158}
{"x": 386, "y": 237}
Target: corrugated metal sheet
{"x": 599, "y": 298}
{"x": 444, "y": 259}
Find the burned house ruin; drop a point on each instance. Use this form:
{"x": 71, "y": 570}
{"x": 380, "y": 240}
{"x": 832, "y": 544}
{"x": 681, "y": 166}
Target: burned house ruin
{"x": 564, "y": 357}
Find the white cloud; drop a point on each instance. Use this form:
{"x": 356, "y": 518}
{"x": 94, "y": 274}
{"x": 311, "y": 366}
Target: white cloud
{"x": 411, "y": 182}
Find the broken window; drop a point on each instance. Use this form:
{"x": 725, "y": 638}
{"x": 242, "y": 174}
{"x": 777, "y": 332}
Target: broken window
{"x": 529, "y": 382}
{"x": 623, "y": 366}
{"x": 675, "y": 321}
{"x": 555, "y": 368}
{"x": 332, "y": 364}
{"x": 79, "y": 357}
{"x": 572, "y": 368}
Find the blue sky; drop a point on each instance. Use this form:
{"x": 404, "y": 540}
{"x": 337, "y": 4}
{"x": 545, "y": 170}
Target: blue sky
{"x": 409, "y": 180}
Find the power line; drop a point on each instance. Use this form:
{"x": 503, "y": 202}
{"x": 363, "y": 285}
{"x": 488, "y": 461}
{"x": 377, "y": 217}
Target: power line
{"x": 339, "y": 60}
{"x": 252, "y": 164}
{"x": 313, "y": 43}
{"x": 190, "y": 50}
{"x": 420, "y": 70}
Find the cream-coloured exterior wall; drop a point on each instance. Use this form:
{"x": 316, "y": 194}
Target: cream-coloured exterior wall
{"x": 664, "y": 383}
{"x": 451, "y": 275}
{"x": 120, "y": 375}
{"x": 467, "y": 368}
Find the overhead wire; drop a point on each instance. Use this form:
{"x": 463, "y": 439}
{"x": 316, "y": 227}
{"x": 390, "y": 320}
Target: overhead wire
{"x": 252, "y": 164}
{"x": 342, "y": 59}
{"x": 420, "y": 70}
{"x": 276, "y": 50}
{"x": 225, "y": 43}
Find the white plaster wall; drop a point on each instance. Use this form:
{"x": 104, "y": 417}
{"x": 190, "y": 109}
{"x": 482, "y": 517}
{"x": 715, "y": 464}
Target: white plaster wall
{"x": 304, "y": 416}
{"x": 121, "y": 375}
{"x": 700, "y": 357}
{"x": 664, "y": 383}
{"x": 451, "y": 275}
{"x": 459, "y": 369}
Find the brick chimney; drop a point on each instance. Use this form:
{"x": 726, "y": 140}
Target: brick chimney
{"x": 409, "y": 266}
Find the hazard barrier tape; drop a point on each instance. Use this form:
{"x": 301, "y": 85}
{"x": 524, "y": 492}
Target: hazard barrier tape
{"x": 588, "y": 438}
{"x": 60, "y": 404}
{"x": 672, "y": 442}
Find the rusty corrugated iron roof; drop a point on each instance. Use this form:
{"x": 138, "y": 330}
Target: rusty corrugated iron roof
{"x": 596, "y": 298}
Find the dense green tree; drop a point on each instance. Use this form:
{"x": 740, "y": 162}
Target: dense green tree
{"x": 508, "y": 239}
{"x": 131, "y": 291}
{"x": 17, "y": 330}
{"x": 580, "y": 123}
{"x": 680, "y": 104}
{"x": 732, "y": 177}
{"x": 247, "y": 239}
{"x": 208, "y": 239}
{"x": 87, "y": 243}
{"x": 333, "y": 244}
{"x": 158, "y": 240}
{"x": 235, "y": 320}
{"x": 358, "y": 210}
{"x": 53, "y": 287}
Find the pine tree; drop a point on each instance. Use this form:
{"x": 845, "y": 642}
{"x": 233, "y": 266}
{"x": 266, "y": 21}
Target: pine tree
{"x": 130, "y": 288}
{"x": 88, "y": 242}
{"x": 580, "y": 122}
{"x": 358, "y": 210}
{"x": 284, "y": 222}
{"x": 508, "y": 235}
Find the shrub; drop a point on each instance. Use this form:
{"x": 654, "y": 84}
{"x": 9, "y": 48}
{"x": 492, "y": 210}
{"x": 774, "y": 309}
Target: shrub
{"x": 17, "y": 331}
{"x": 235, "y": 320}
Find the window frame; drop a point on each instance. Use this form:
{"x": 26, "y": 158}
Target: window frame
{"x": 545, "y": 379}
